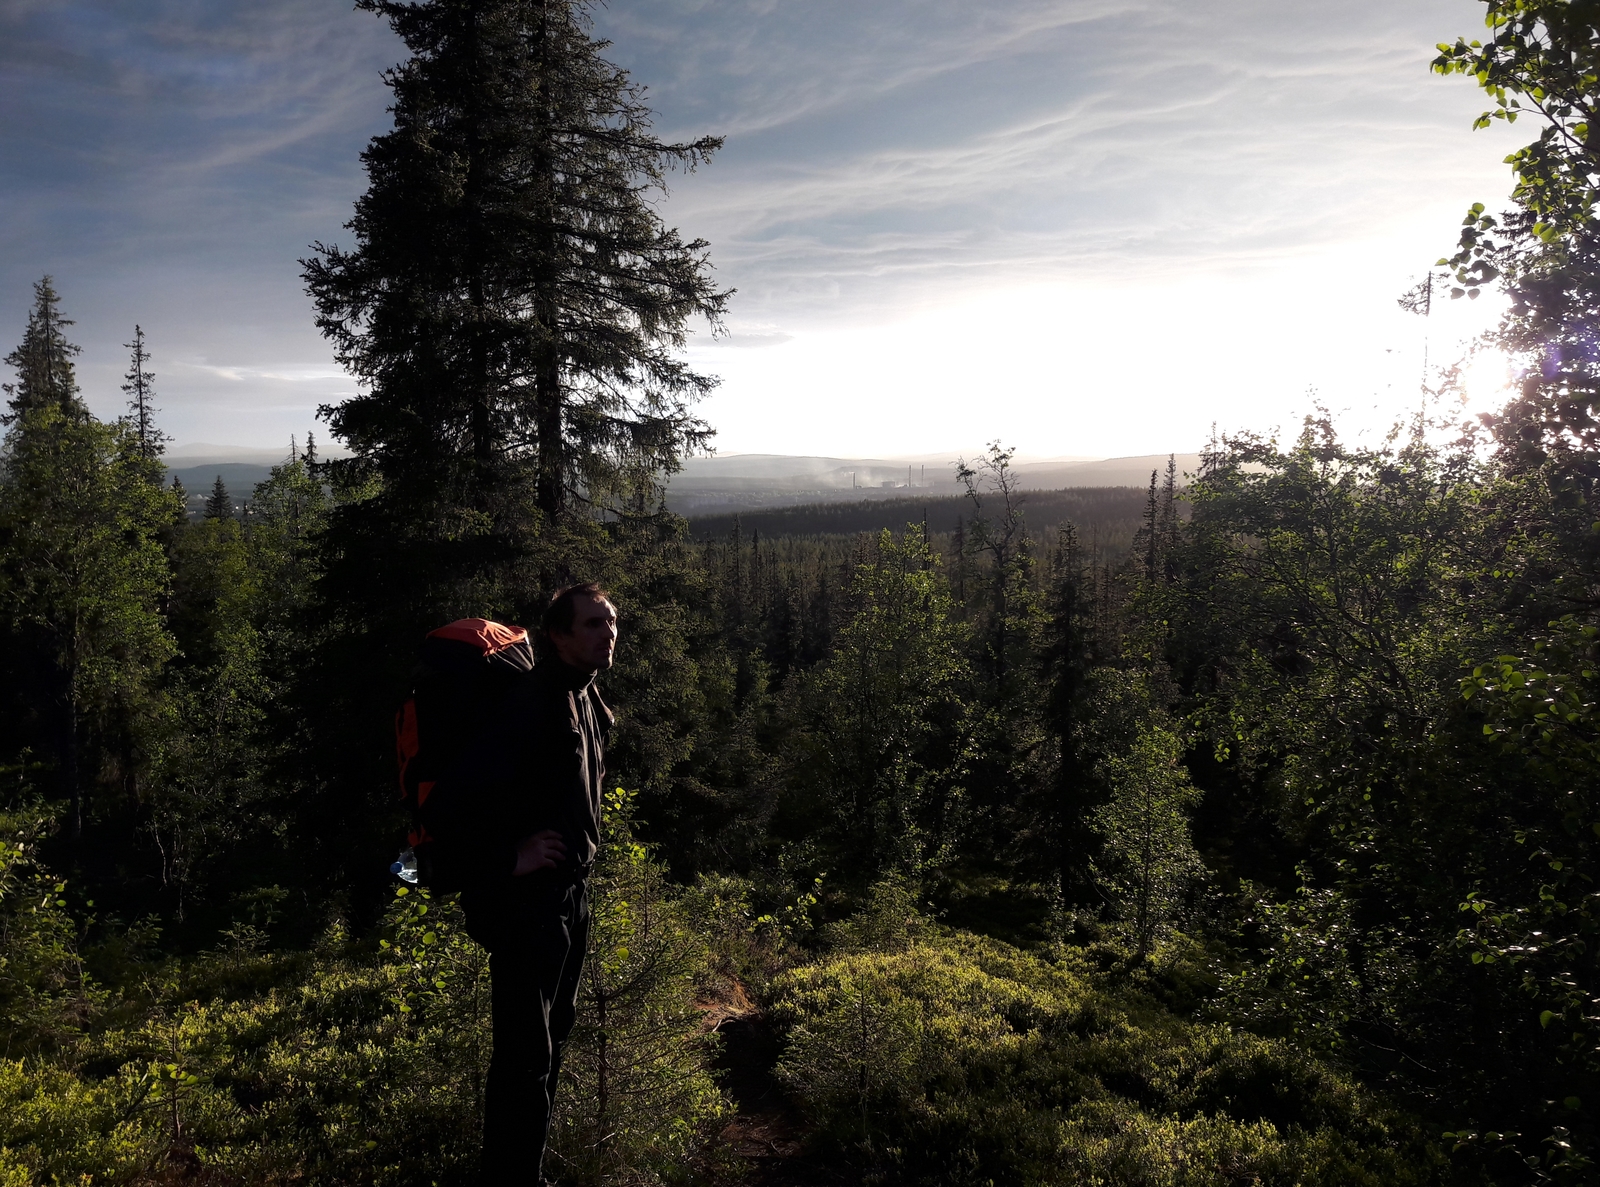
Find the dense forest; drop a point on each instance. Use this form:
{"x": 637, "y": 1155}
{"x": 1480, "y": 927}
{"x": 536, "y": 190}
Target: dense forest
{"x": 1244, "y": 830}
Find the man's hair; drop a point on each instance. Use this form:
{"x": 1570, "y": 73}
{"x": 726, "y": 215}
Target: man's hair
{"x": 558, "y": 615}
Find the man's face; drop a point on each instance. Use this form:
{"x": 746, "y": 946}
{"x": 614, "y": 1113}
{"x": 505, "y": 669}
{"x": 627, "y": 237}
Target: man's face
{"x": 593, "y": 638}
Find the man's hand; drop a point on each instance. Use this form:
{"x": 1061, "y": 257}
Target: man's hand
{"x": 542, "y": 851}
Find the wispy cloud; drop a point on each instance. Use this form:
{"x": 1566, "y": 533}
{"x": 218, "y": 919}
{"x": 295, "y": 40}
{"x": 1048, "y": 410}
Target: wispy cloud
{"x": 1063, "y": 140}
{"x": 290, "y": 373}
{"x": 169, "y": 160}
{"x": 750, "y": 66}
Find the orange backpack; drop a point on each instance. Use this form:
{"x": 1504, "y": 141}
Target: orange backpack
{"x": 464, "y": 670}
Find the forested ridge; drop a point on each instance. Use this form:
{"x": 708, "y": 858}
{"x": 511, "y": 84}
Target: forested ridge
{"x": 1107, "y": 518}
{"x": 1252, "y": 840}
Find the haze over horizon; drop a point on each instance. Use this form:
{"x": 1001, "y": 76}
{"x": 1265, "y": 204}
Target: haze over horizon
{"x": 1084, "y": 227}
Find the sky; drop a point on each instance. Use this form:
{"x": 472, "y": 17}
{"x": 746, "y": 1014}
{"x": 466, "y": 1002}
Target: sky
{"x": 1087, "y": 227}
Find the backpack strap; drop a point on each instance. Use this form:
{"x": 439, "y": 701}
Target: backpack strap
{"x": 607, "y": 717}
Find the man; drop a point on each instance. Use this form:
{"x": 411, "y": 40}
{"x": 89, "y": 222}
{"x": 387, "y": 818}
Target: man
{"x": 524, "y": 809}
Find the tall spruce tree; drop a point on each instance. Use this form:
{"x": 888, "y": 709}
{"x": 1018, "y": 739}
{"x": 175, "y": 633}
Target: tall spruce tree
{"x": 139, "y": 386}
{"x": 43, "y": 360}
{"x": 1167, "y": 523}
{"x": 514, "y": 304}
{"x": 1148, "y": 539}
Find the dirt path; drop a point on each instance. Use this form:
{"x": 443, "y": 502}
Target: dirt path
{"x": 766, "y": 1132}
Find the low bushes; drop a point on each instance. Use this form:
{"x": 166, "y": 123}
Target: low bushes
{"x": 944, "y": 1057}
{"x": 351, "y": 1063}
{"x": 925, "y": 1054}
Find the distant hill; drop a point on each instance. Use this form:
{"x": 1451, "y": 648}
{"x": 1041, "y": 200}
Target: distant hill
{"x": 1106, "y": 516}
{"x": 1113, "y": 471}
{"x": 203, "y": 453}
{"x": 200, "y": 453}
{"x": 783, "y": 494}
{"x": 739, "y": 483}
{"x": 239, "y": 477}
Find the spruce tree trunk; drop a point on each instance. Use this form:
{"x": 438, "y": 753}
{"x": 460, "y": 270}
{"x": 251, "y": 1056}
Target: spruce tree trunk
{"x": 549, "y": 483}
{"x": 551, "y": 487}
{"x": 479, "y": 426}
{"x": 70, "y": 761}
{"x": 70, "y": 741}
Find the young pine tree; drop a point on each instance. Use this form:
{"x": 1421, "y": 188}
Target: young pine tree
{"x": 639, "y": 1095}
{"x": 880, "y": 768}
{"x": 1149, "y": 861}
{"x": 1148, "y": 539}
{"x": 1168, "y": 522}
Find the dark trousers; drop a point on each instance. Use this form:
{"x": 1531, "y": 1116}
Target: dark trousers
{"x": 536, "y": 939}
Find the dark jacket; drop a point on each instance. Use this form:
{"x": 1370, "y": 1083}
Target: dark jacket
{"x": 537, "y": 763}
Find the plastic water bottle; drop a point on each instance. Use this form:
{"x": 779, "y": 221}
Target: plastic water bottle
{"x": 406, "y": 868}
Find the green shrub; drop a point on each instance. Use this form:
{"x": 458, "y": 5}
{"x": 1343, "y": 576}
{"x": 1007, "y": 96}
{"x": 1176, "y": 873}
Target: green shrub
{"x": 338, "y": 1065}
{"x": 55, "y": 1127}
{"x": 955, "y": 1059}
{"x": 44, "y": 994}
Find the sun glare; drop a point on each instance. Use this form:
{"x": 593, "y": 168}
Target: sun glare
{"x": 1486, "y": 381}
